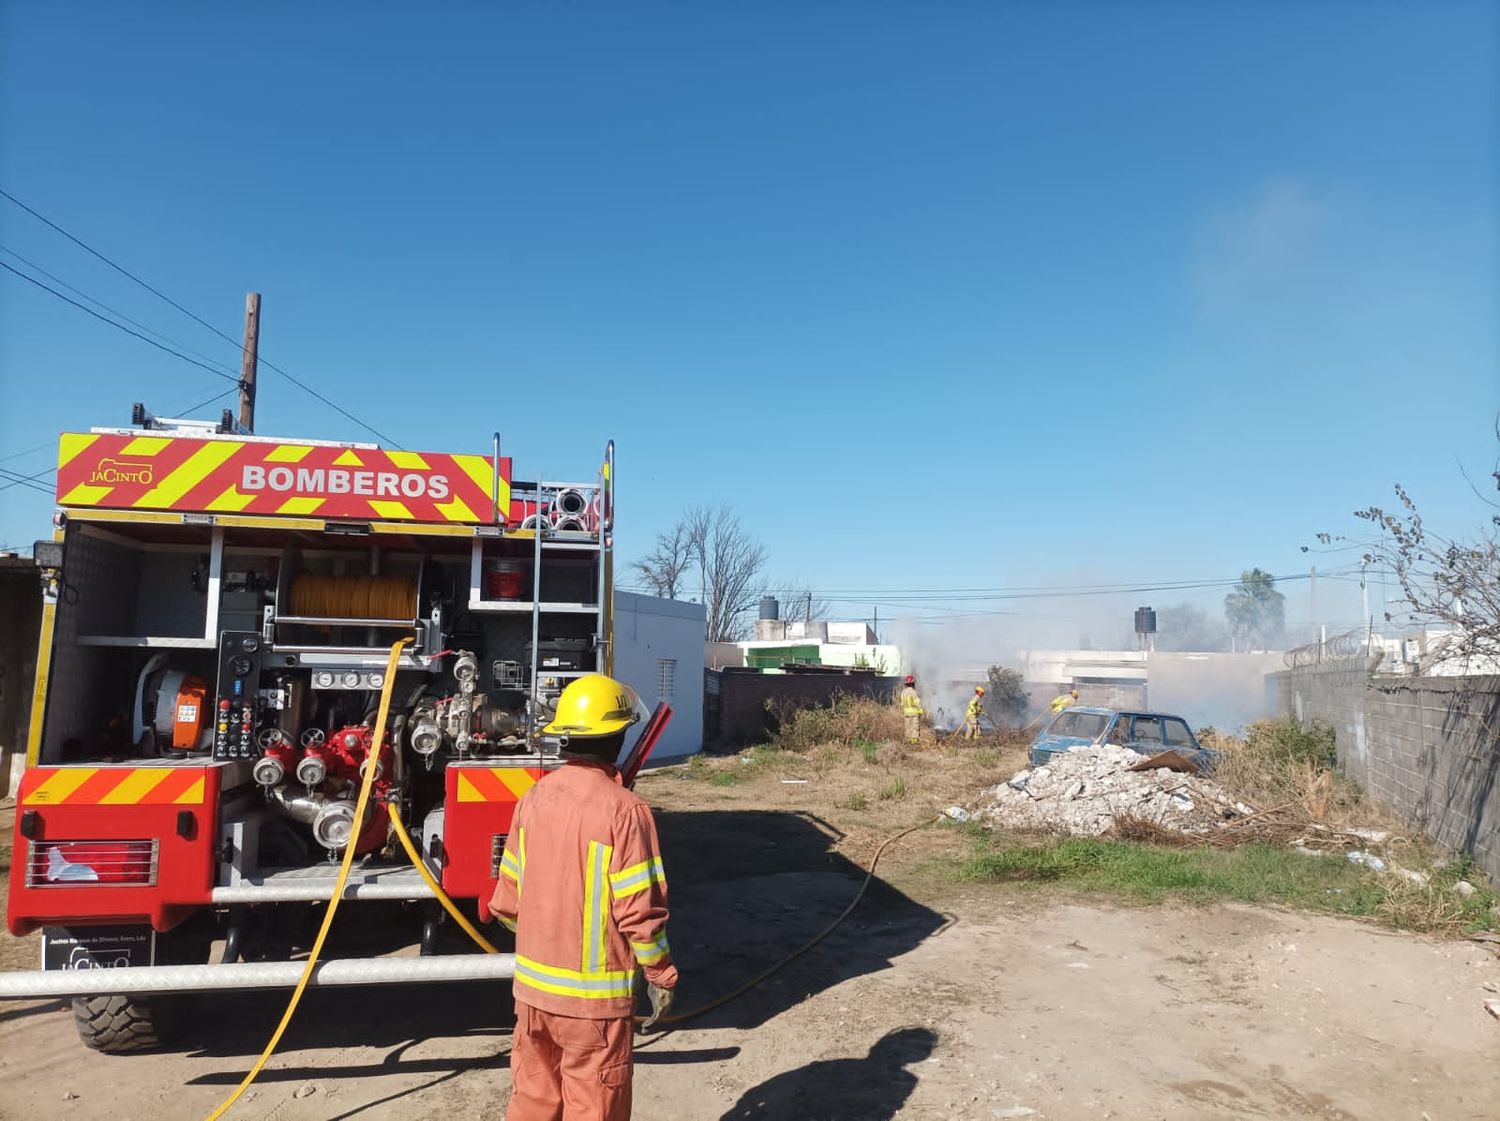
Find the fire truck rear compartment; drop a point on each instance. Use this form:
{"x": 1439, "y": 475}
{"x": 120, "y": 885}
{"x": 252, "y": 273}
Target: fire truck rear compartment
{"x": 282, "y": 632}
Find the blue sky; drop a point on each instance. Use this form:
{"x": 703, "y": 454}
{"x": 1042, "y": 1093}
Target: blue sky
{"x": 937, "y": 296}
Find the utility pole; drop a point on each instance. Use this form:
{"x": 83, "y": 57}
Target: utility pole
{"x": 1364, "y": 593}
{"x": 1312, "y": 598}
{"x": 247, "y": 369}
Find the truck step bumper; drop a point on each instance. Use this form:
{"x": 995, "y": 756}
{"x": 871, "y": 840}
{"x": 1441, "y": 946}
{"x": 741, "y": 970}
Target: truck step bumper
{"x": 146, "y": 980}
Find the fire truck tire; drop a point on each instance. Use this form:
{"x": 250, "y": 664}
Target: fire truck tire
{"x": 118, "y": 1025}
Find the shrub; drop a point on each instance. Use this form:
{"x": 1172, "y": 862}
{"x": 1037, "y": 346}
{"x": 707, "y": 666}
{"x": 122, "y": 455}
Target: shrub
{"x": 848, "y": 721}
{"x": 1280, "y": 761}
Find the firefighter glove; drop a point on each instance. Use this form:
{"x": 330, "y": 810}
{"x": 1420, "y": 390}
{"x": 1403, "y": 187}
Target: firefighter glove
{"x": 661, "y": 1004}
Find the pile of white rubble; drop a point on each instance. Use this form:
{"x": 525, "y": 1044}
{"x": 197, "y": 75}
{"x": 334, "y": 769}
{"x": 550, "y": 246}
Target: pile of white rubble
{"x": 1084, "y": 790}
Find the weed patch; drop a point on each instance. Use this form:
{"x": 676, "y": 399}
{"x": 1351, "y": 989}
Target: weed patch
{"x": 1253, "y": 873}
{"x": 1250, "y": 874}
{"x": 892, "y": 792}
{"x": 848, "y": 721}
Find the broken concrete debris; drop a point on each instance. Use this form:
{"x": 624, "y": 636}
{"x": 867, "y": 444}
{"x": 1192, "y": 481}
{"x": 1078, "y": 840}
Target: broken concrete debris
{"x": 1084, "y": 791}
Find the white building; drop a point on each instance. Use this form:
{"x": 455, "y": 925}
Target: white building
{"x": 821, "y": 642}
{"x": 659, "y": 654}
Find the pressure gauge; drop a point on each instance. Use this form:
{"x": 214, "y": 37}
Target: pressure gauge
{"x": 323, "y": 680}
{"x": 377, "y": 680}
{"x": 351, "y": 680}
{"x": 249, "y": 644}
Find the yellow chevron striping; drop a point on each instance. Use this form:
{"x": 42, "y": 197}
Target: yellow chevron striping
{"x": 84, "y": 494}
{"x": 192, "y": 796}
{"x": 146, "y": 445}
{"x": 135, "y": 786}
{"x": 407, "y": 461}
{"x": 55, "y": 790}
{"x": 479, "y": 471}
{"x": 348, "y": 459}
{"x": 231, "y": 500}
{"x": 517, "y": 781}
{"x": 198, "y": 467}
{"x": 456, "y": 511}
{"x": 288, "y": 453}
{"x": 69, "y": 444}
{"x": 305, "y": 505}
{"x": 467, "y": 791}
{"x": 387, "y": 509}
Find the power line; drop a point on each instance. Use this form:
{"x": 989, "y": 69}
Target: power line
{"x": 118, "y": 325}
{"x": 236, "y": 343}
{"x": 19, "y": 480}
{"x": 16, "y": 480}
{"x": 113, "y": 311}
{"x": 28, "y": 451}
{"x": 203, "y": 404}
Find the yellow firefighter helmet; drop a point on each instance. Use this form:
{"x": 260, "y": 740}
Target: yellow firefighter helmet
{"x": 594, "y": 706}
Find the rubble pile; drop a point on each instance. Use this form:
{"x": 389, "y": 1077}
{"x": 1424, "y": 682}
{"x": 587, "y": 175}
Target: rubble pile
{"x": 1083, "y": 791}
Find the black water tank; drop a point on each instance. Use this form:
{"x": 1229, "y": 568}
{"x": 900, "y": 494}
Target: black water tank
{"x": 1145, "y": 620}
{"x": 769, "y": 608}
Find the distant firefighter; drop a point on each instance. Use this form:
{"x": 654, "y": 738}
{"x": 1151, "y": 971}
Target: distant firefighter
{"x": 1063, "y": 700}
{"x": 973, "y": 713}
{"x": 912, "y": 710}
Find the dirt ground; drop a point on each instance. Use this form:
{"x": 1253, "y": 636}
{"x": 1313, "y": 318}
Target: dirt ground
{"x": 936, "y": 999}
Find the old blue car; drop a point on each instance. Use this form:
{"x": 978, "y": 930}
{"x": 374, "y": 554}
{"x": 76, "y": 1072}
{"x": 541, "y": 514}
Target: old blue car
{"x": 1149, "y": 733}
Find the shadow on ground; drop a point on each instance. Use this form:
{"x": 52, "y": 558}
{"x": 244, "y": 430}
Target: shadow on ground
{"x": 873, "y": 1088}
{"x": 750, "y": 886}
{"x": 747, "y": 888}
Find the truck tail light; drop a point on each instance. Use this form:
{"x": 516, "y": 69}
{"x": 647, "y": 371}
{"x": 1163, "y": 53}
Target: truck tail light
{"x": 106, "y": 863}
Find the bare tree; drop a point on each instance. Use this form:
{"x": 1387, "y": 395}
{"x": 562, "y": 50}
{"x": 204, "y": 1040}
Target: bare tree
{"x": 665, "y": 570}
{"x": 710, "y": 549}
{"x": 729, "y": 563}
{"x": 1451, "y": 583}
{"x": 799, "y": 602}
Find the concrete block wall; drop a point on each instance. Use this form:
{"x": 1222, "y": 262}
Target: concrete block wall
{"x": 1429, "y": 748}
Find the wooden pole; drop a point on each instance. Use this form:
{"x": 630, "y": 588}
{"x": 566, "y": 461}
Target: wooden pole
{"x": 247, "y": 369}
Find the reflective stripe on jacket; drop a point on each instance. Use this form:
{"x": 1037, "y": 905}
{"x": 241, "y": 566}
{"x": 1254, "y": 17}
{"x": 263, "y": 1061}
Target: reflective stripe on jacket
{"x": 583, "y": 887}
{"x": 1062, "y": 702}
{"x": 976, "y": 707}
{"x": 911, "y": 702}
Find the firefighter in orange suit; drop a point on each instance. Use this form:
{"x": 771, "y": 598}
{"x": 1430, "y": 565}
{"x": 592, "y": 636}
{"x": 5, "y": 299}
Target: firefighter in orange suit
{"x": 582, "y": 886}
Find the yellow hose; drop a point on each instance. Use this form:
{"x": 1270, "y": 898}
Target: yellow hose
{"x": 442, "y": 896}
{"x": 338, "y": 889}
{"x": 479, "y": 939}
{"x": 355, "y": 597}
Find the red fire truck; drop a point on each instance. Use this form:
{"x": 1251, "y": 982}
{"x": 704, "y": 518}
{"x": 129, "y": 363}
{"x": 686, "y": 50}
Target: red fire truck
{"x": 218, "y": 611}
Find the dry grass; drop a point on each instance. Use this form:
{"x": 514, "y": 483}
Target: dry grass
{"x": 1286, "y": 773}
{"x": 864, "y": 791}
{"x": 849, "y": 721}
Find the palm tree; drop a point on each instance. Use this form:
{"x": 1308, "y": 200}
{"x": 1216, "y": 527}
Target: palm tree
{"x": 1255, "y": 610}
